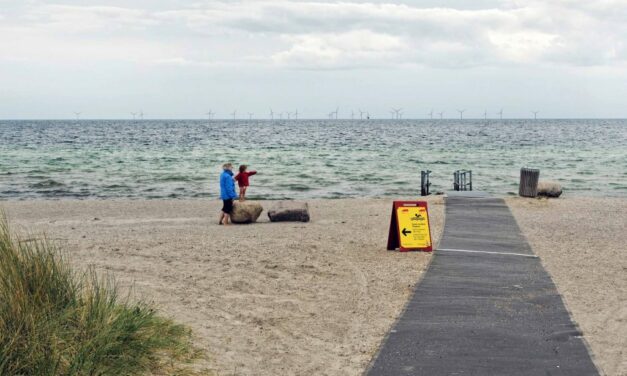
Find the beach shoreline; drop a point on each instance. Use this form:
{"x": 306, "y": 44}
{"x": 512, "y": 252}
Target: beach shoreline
{"x": 318, "y": 297}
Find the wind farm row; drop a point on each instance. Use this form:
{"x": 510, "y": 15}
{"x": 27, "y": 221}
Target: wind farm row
{"x": 394, "y": 113}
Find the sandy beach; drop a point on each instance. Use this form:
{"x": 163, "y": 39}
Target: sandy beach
{"x": 262, "y": 299}
{"x": 582, "y": 243}
{"x": 318, "y": 297}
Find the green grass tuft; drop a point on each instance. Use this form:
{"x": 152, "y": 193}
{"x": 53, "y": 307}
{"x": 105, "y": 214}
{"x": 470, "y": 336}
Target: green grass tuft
{"x": 54, "y": 321}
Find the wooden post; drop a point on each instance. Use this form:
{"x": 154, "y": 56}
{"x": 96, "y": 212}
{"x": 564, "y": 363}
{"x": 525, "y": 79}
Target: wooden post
{"x": 424, "y": 183}
{"x": 528, "y": 182}
{"x": 470, "y": 174}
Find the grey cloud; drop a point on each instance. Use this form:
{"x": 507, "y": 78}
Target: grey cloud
{"x": 316, "y": 34}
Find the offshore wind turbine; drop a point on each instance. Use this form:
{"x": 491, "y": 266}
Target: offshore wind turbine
{"x": 485, "y": 114}
{"x": 431, "y": 114}
{"x": 281, "y": 116}
{"x": 78, "y": 115}
{"x": 397, "y": 111}
{"x": 461, "y": 114}
{"x": 134, "y": 115}
{"x": 141, "y": 114}
{"x": 361, "y": 114}
{"x": 441, "y": 114}
{"x": 250, "y": 116}
{"x": 296, "y": 114}
{"x": 500, "y": 114}
{"x": 209, "y": 115}
{"x": 535, "y": 115}
{"x": 271, "y": 114}
{"x": 333, "y": 114}
{"x": 352, "y": 114}
{"x": 234, "y": 113}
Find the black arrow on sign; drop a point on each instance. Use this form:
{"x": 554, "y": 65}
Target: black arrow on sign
{"x": 405, "y": 232}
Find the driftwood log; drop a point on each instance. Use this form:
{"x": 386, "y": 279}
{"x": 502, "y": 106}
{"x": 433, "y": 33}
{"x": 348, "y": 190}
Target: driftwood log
{"x": 528, "y": 182}
{"x": 289, "y": 211}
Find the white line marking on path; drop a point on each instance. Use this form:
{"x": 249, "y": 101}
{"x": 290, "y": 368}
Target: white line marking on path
{"x": 487, "y": 252}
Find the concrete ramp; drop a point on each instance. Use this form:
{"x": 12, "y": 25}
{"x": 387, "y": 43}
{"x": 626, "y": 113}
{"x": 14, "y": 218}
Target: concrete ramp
{"x": 486, "y": 306}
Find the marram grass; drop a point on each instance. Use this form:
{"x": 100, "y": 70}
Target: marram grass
{"x": 55, "y": 321}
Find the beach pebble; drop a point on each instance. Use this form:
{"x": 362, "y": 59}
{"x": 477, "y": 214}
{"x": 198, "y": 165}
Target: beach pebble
{"x": 289, "y": 211}
{"x": 246, "y": 212}
{"x": 549, "y": 189}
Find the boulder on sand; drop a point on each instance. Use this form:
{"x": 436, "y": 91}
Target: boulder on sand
{"x": 549, "y": 189}
{"x": 289, "y": 211}
{"x": 245, "y": 211}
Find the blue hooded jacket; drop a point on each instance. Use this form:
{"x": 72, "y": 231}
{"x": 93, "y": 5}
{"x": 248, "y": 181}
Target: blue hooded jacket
{"x": 227, "y": 185}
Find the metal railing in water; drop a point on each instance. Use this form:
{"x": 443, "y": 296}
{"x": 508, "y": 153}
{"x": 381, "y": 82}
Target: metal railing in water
{"x": 462, "y": 180}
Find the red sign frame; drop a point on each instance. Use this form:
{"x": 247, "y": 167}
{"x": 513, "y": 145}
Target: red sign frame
{"x": 394, "y": 234}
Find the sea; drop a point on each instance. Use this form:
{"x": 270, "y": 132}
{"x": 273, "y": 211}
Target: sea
{"x": 304, "y": 159}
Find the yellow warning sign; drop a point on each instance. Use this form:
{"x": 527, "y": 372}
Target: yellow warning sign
{"x": 413, "y": 226}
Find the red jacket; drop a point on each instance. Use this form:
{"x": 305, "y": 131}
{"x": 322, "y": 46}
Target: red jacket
{"x": 242, "y": 178}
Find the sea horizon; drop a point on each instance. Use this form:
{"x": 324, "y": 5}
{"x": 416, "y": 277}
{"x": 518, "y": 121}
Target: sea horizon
{"x": 311, "y": 118}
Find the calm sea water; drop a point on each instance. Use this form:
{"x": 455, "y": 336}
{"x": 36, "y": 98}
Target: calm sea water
{"x": 304, "y": 158}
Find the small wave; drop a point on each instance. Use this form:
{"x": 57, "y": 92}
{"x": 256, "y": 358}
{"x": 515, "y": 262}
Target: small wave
{"x": 298, "y": 187}
{"x": 64, "y": 193}
{"x": 174, "y": 178}
{"x": 48, "y": 183}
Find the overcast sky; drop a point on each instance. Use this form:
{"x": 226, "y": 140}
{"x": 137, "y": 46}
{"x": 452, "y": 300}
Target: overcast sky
{"x": 180, "y": 59}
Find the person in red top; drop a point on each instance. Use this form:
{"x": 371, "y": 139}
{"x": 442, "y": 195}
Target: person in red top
{"x": 242, "y": 181}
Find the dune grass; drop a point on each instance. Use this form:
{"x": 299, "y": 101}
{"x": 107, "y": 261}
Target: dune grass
{"x": 55, "y": 321}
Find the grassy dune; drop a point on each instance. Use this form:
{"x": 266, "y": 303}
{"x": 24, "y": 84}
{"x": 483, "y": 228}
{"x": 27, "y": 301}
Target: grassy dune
{"x": 55, "y": 321}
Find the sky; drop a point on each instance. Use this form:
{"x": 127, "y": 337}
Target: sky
{"x": 181, "y": 59}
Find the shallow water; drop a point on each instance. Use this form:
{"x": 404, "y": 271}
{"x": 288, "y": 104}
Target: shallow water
{"x": 305, "y": 158}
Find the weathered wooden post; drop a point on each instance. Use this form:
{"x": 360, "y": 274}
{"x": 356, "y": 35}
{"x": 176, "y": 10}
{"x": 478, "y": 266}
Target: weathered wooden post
{"x": 470, "y": 176}
{"x": 424, "y": 183}
{"x": 528, "y": 182}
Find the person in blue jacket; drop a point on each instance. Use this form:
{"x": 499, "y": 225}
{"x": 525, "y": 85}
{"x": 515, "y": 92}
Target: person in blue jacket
{"x": 227, "y": 193}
